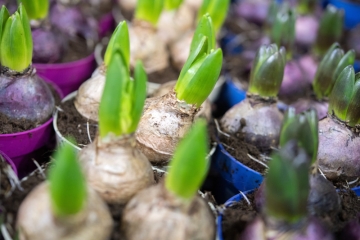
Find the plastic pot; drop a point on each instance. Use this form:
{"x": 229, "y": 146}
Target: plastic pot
{"x": 68, "y": 76}
{"x": 357, "y": 190}
{"x": 351, "y": 9}
{"x": 357, "y": 66}
{"x": 237, "y": 174}
{"x": 9, "y": 161}
{"x": 106, "y": 24}
{"x": 236, "y": 198}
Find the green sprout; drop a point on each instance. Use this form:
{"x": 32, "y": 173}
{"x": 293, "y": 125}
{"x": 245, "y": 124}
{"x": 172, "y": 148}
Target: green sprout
{"x": 16, "y": 42}
{"x": 188, "y": 167}
{"x": 306, "y": 6}
{"x": 149, "y": 10}
{"x": 344, "y": 100}
{"x": 330, "y": 29}
{"x": 217, "y": 9}
{"x": 330, "y": 68}
{"x": 119, "y": 40}
{"x": 172, "y": 4}
{"x": 303, "y": 128}
{"x": 202, "y": 68}
{"x": 287, "y": 184}
{"x": 267, "y": 71}
{"x": 123, "y": 99}
{"x": 274, "y": 8}
{"x": 67, "y": 183}
{"x": 282, "y": 31}
{"x": 36, "y": 9}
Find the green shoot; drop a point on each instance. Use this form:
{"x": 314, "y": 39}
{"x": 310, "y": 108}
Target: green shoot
{"x": 282, "y": 31}
{"x": 287, "y": 184}
{"x": 306, "y": 6}
{"x": 67, "y": 183}
{"x": 123, "y": 99}
{"x": 202, "y": 68}
{"x": 4, "y": 16}
{"x": 267, "y": 71}
{"x": 330, "y": 68}
{"x": 189, "y": 166}
{"x": 330, "y": 29}
{"x": 16, "y": 43}
{"x": 172, "y": 4}
{"x": 217, "y": 9}
{"x": 149, "y": 10}
{"x": 119, "y": 40}
{"x": 345, "y": 97}
{"x": 36, "y": 9}
{"x": 303, "y": 128}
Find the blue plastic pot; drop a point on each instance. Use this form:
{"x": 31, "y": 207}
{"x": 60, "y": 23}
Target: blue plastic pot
{"x": 235, "y": 173}
{"x": 357, "y": 64}
{"x": 236, "y": 198}
{"x": 357, "y": 190}
{"x": 352, "y": 12}
{"x": 230, "y": 95}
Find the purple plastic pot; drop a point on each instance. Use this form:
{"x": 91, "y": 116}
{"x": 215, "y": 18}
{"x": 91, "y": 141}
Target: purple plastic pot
{"x": 236, "y": 198}
{"x": 106, "y": 24}
{"x": 9, "y": 161}
{"x": 237, "y": 174}
{"x": 68, "y": 76}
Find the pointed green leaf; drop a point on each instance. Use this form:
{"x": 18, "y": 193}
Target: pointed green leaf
{"x": 67, "y": 183}
{"x": 217, "y": 10}
{"x": 4, "y": 15}
{"x": 149, "y": 10}
{"x": 172, "y": 4}
{"x": 330, "y": 29}
{"x": 353, "y": 112}
{"x": 341, "y": 94}
{"x": 119, "y": 40}
{"x": 202, "y": 76}
{"x": 27, "y": 31}
{"x": 204, "y": 28}
{"x": 36, "y": 9}
{"x": 117, "y": 76}
{"x": 139, "y": 95}
{"x": 267, "y": 77}
{"x": 324, "y": 77}
{"x": 306, "y": 6}
{"x": 287, "y": 184}
{"x": 189, "y": 166}
{"x": 346, "y": 60}
{"x": 313, "y": 121}
{"x": 13, "y": 45}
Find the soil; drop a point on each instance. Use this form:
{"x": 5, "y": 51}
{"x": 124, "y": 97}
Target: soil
{"x": 20, "y": 125}
{"x": 236, "y": 217}
{"x": 240, "y": 213}
{"x": 163, "y": 76}
{"x": 71, "y": 123}
{"x": 76, "y": 49}
{"x": 341, "y": 183}
{"x": 239, "y": 149}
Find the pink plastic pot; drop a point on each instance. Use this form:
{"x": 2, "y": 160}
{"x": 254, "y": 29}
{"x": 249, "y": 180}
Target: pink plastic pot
{"x": 106, "y": 24}
{"x": 68, "y": 76}
{"x": 9, "y": 161}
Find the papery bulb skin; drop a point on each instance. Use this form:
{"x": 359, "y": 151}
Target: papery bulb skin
{"x": 306, "y": 28}
{"x": 127, "y": 5}
{"x": 205, "y": 109}
{"x": 259, "y": 120}
{"x": 25, "y": 96}
{"x": 294, "y": 85}
{"x": 164, "y": 123}
{"x": 172, "y": 25}
{"x": 338, "y": 154}
{"x": 179, "y": 50}
{"x": 258, "y": 230}
{"x": 305, "y": 104}
{"x": 70, "y": 21}
{"x": 93, "y": 222}
{"x": 47, "y": 47}
{"x": 253, "y": 11}
{"x": 156, "y": 214}
{"x": 352, "y": 230}
{"x": 115, "y": 168}
{"x": 194, "y": 4}
{"x": 148, "y": 47}
{"x": 88, "y": 97}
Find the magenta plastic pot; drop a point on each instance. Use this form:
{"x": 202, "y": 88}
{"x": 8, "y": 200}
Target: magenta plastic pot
{"x": 9, "y": 161}
{"x": 106, "y": 24}
{"x": 68, "y": 76}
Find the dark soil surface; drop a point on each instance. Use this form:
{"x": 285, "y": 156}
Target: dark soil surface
{"x": 76, "y": 49}
{"x": 239, "y": 149}
{"x": 341, "y": 183}
{"x": 166, "y": 75}
{"x": 240, "y": 213}
{"x": 71, "y": 123}
{"x": 13, "y": 126}
{"x": 237, "y": 216}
